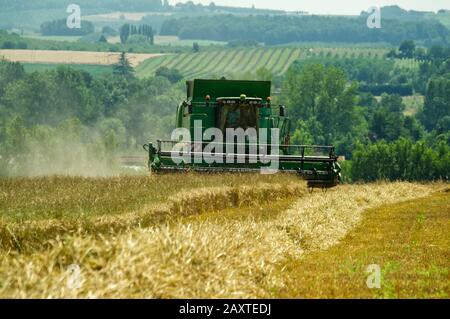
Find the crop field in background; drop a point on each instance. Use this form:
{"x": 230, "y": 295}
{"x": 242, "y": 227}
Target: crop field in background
{"x": 72, "y": 57}
{"x": 241, "y": 61}
{"x": 52, "y": 37}
{"x": 226, "y": 235}
{"x": 407, "y": 63}
{"x": 95, "y": 70}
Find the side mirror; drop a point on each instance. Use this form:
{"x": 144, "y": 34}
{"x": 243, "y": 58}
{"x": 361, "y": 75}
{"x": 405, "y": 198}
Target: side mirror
{"x": 282, "y": 111}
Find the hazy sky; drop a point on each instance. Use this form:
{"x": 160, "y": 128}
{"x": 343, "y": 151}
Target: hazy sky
{"x": 331, "y": 6}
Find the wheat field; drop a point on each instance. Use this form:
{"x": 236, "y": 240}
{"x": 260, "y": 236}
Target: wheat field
{"x": 72, "y": 57}
{"x": 173, "y": 236}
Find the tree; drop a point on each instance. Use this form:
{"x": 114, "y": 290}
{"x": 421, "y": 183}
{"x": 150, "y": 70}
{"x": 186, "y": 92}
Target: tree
{"x": 123, "y": 67}
{"x": 326, "y": 103}
{"x": 59, "y": 27}
{"x": 173, "y": 75}
{"x": 407, "y": 49}
{"x": 124, "y": 32}
{"x": 102, "y": 39}
{"x": 264, "y": 74}
{"x": 437, "y": 102}
{"x": 195, "y": 47}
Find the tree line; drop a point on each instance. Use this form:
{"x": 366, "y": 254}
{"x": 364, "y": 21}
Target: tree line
{"x": 43, "y": 111}
{"x": 281, "y": 29}
{"x": 377, "y": 138}
{"x": 144, "y": 30}
{"x": 59, "y": 27}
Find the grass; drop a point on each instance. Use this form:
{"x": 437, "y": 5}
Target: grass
{"x": 207, "y": 249}
{"x": 52, "y": 37}
{"x": 413, "y": 104}
{"x": 228, "y": 61}
{"x": 96, "y": 70}
{"x": 410, "y": 242}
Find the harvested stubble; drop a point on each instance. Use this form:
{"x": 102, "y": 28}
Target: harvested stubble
{"x": 198, "y": 259}
{"x": 34, "y": 235}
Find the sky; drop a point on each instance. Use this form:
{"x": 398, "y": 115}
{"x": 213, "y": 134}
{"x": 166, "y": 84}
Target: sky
{"x": 348, "y": 7}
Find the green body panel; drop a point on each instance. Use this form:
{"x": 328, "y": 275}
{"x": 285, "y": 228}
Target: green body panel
{"x": 198, "y": 89}
{"x": 231, "y": 104}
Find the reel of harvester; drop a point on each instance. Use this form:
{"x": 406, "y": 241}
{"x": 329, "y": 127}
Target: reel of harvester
{"x": 238, "y": 105}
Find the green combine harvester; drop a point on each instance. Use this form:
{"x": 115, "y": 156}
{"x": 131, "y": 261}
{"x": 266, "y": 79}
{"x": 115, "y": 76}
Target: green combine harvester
{"x": 239, "y": 106}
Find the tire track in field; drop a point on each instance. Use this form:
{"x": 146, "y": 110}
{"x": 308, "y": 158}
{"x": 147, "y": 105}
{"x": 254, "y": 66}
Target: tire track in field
{"x": 181, "y": 67}
{"x": 255, "y": 61}
{"x": 295, "y": 54}
{"x": 236, "y": 61}
{"x": 177, "y": 61}
{"x": 204, "y": 63}
{"x": 199, "y": 57}
{"x": 228, "y": 59}
{"x": 265, "y": 58}
{"x": 211, "y": 67}
{"x": 239, "y": 68}
{"x": 283, "y": 60}
{"x": 274, "y": 59}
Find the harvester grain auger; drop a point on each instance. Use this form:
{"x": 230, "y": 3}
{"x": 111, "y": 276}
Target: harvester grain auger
{"x": 216, "y": 110}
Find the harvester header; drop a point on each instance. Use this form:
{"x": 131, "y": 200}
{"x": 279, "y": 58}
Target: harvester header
{"x": 232, "y": 126}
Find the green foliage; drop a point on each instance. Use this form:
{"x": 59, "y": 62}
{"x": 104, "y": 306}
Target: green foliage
{"x": 123, "y": 66}
{"x": 326, "y": 106}
{"x": 173, "y": 75}
{"x": 280, "y": 29}
{"x": 407, "y": 49}
{"x": 400, "y": 160}
{"x": 144, "y": 30}
{"x": 195, "y": 47}
{"x": 437, "y": 102}
{"x": 67, "y": 122}
{"x": 59, "y": 27}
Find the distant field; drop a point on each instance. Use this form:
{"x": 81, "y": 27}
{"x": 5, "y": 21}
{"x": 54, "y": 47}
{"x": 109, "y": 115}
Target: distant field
{"x": 243, "y": 60}
{"x": 72, "y": 57}
{"x": 53, "y": 37}
{"x": 128, "y": 16}
{"x": 92, "y": 69}
{"x": 174, "y": 40}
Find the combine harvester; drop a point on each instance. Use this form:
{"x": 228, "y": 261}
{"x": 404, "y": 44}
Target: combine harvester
{"x": 225, "y": 106}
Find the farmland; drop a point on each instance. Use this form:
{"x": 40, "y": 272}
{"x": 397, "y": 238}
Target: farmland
{"x": 150, "y": 237}
{"x": 71, "y": 57}
{"x": 95, "y": 70}
{"x": 242, "y": 61}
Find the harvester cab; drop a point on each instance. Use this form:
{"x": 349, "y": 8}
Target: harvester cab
{"x": 228, "y": 125}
